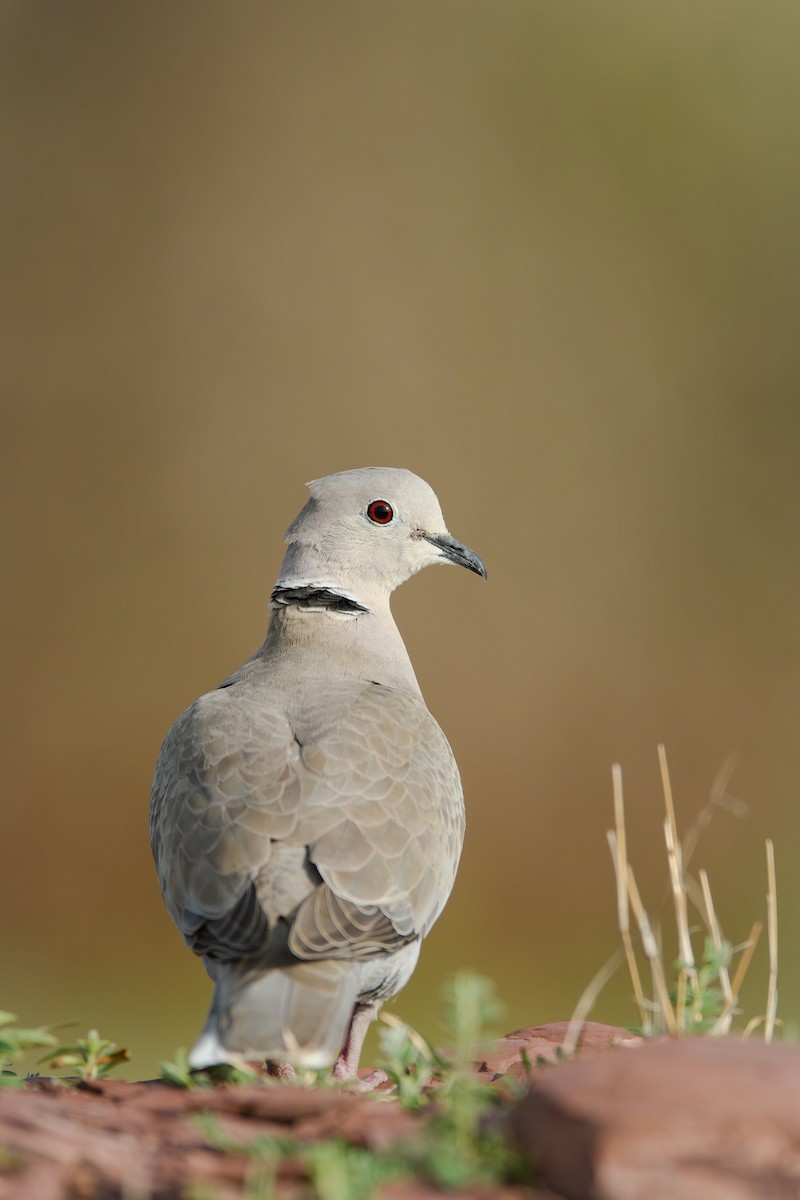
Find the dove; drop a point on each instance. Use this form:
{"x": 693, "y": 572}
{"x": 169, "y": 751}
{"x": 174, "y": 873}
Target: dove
{"x": 307, "y": 815}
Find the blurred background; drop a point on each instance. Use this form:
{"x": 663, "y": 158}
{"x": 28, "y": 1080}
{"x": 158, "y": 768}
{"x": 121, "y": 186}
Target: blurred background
{"x": 545, "y": 255}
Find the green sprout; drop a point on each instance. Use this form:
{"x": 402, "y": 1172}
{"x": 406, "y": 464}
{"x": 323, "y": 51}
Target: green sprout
{"x": 14, "y": 1043}
{"x": 92, "y": 1057}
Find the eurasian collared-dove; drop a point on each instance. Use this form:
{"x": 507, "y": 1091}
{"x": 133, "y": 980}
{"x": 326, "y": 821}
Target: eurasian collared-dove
{"x": 307, "y": 816}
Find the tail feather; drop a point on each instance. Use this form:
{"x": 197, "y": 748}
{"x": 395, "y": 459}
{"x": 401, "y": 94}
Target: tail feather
{"x": 298, "y": 1014}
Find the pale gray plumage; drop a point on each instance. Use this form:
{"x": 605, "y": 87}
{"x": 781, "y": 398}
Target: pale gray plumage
{"x": 307, "y": 815}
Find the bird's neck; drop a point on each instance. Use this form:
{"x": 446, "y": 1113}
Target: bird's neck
{"x": 327, "y": 633}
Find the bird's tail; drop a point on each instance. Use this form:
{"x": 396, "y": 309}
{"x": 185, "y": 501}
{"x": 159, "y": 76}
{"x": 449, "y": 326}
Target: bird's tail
{"x": 298, "y": 1014}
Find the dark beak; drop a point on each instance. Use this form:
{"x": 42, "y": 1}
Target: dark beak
{"x": 456, "y": 552}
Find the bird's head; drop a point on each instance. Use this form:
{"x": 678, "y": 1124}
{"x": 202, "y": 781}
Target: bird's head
{"x": 365, "y": 532}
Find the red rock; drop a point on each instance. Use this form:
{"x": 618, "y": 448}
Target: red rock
{"x": 701, "y": 1119}
{"x": 543, "y": 1043}
{"x": 593, "y": 1036}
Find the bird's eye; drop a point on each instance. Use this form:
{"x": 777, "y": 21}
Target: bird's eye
{"x": 380, "y": 512}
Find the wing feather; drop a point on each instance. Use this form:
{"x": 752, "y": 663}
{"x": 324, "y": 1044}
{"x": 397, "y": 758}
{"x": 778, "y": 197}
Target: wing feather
{"x": 359, "y": 779}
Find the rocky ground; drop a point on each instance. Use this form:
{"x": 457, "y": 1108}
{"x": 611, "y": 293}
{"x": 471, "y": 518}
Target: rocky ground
{"x": 695, "y": 1119}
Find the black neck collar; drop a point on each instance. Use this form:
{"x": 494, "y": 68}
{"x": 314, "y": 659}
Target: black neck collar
{"x": 309, "y": 597}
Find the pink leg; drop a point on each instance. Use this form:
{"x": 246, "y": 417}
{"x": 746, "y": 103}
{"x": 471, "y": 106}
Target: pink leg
{"x": 346, "y": 1066}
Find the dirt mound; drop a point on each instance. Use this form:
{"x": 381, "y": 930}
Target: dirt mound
{"x": 717, "y": 1118}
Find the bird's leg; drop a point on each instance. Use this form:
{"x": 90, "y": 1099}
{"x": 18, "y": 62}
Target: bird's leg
{"x": 346, "y": 1066}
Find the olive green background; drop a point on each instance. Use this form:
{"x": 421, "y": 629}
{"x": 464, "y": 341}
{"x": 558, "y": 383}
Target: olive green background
{"x": 546, "y": 255}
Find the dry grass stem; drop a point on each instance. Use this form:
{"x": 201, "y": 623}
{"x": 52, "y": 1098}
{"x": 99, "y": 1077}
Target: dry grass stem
{"x": 772, "y": 938}
{"x": 621, "y": 872}
{"x": 686, "y": 970}
{"x": 678, "y": 886}
{"x": 718, "y": 798}
{"x": 747, "y": 954}
{"x": 618, "y": 843}
{"x": 651, "y": 950}
{"x": 675, "y": 859}
{"x": 748, "y": 950}
{"x": 620, "y": 848}
{"x": 588, "y": 1000}
{"x": 694, "y": 894}
{"x": 696, "y": 993}
{"x": 666, "y": 785}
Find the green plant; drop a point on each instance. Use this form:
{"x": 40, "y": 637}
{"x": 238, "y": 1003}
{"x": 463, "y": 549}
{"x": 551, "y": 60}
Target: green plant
{"x": 339, "y": 1171}
{"x": 14, "y": 1043}
{"x": 91, "y": 1057}
{"x": 336, "y": 1169}
{"x": 458, "y": 1146}
{"x": 181, "y": 1075}
{"x": 471, "y": 1010}
{"x": 409, "y": 1061}
{"x": 263, "y": 1149}
{"x": 463, "y": 1147}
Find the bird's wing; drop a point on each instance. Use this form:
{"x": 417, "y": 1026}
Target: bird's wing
{"x": 225, "y": 788}
{"x": 388, "y": 859}
{"x": 359, "y": 778}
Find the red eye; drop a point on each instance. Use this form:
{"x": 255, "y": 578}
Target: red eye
{"x": 380, "y": 512}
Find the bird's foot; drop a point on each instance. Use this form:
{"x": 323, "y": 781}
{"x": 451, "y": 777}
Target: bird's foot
{"x": 370, "y": 1082}
{"x": 284, "y": 1071}
{"x": 343, "y": 1072}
